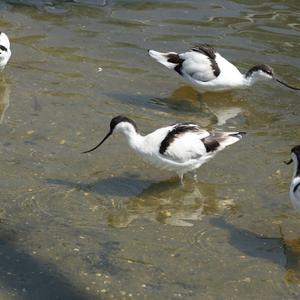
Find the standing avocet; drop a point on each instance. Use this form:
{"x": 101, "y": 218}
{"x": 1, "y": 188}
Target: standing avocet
{"x": 181, "y": 147}
{"x": 295, "y": 184}
{"x": 207, "y": 70}
{"x": 5, "y": 52}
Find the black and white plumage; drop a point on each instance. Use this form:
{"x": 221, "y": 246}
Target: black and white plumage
{"x": 5, "y": 52}
{"x": 207, "y": 70}
{"x": 295, "y": 184}
{"x": 181, "y": 147}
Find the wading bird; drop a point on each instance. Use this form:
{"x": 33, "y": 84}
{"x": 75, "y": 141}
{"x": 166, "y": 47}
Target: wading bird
{"x": 295, "y": 184}
{"x": 207, "y": 70}
{"x": 181, "y": 147}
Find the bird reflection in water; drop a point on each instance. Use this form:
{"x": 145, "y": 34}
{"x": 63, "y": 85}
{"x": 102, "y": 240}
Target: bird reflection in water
{"x": 168, "y": 203}
{"x": 4, "y": 97}
{"x": 214, "y": 105}
{"x": 224, "y": 108}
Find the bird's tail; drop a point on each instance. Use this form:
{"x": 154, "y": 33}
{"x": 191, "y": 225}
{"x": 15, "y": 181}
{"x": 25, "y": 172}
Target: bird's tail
{"x": 169, "y": 59}
{"x": 230, "y": 138}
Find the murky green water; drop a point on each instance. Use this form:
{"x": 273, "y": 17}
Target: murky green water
{"x": 109, "y": 225}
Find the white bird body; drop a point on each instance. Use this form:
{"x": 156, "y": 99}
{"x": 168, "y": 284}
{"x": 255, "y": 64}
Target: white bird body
{"x": 178, "y": 157}
{"x": 229, "y": 78}
{"x": 181, "y": 147}
{"x": 208, "y": 70}
{"x": 5, "y": 51}
{"x": 294, "y": 192}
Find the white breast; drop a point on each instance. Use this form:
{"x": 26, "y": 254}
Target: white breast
{"x": 295, "y": 195}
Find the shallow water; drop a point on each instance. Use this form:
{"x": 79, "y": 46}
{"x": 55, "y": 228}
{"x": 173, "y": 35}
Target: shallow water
{"x": 108, "y": 225}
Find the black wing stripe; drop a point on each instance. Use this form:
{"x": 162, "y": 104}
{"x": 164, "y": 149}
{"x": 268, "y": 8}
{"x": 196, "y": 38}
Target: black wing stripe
{"x": 205, "y": 49}
{"x": 174, "y": 133}
{"x": 3, "y": 48}
{"x": 175, "y": 59}
{"x": 296, "y": 187}
{"x": 210, "y": 145}
{"x": 211, "y": 54}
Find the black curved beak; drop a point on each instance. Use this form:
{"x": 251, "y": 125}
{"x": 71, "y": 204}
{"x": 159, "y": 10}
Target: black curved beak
{"x": 94, "y": 148}
{"x": 288, "y": 162}
{"x": 287, "y": 85}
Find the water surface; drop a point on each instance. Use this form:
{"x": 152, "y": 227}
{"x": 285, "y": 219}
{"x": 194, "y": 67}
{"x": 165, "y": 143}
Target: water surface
{"x": 108, "y": 225}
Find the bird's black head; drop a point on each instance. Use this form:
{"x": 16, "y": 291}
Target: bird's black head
{"x": 113, "y": 124}
{"x": 119, "y": 119}
{"x": 263, "y": 68}
{"x": 296, "y": 151}
{"x": 265, "y": 72}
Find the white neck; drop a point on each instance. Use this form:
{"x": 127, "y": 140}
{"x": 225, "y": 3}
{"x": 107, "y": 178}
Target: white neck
{"x": 135, "y": 140}
{"x": 294, "y": 189}
{"x": 294, "y": 194}
{"x": 250, "y": 80}
{"x": 296, "y": 165}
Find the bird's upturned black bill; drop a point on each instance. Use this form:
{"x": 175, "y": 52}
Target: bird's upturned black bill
{"x": 94, "y": 148}
{"x": 287, "y": 85}
{"x": 288, "y": 162}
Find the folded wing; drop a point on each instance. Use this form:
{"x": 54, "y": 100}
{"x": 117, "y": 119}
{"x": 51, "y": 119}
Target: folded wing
{"x": 199, "y": 63}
